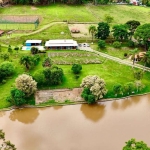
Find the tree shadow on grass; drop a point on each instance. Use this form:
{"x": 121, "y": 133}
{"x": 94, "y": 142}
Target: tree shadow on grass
{"x": 93, "y": 112}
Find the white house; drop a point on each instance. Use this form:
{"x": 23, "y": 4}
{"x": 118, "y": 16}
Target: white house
{"x": 61, "y": 44}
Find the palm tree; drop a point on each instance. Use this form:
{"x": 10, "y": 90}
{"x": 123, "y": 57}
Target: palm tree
{"x": 146, "y": 58}
{"x": 134, "y": 52}
{"x": 92, "y": 31}
{"x": 27, "y": 61}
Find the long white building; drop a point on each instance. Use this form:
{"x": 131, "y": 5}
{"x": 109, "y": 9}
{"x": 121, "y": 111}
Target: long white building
{"x": 61, "y": 44}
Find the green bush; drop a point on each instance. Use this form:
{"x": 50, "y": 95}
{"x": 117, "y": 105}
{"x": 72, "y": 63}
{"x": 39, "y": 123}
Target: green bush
{"x": 6, "y": 70}
{"x": 116, "y": 44}
{"x": 34, "y": 50}
{"x": 131, "y": 44}
{"x": 101, "y": 44}
{"x": 39, "y": 77}
{"x": 88, "y": 96}
{"x": 76, "y": 68}
{"x": 17, "y": 97}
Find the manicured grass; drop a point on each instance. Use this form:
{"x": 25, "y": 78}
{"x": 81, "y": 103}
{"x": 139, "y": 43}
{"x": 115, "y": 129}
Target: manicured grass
{"x": 110, "y": 71}
{"x": 110, "y": 50}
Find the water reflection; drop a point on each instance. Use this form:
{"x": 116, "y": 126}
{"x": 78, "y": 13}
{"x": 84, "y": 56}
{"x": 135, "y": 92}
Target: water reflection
{"x": 57, "y": 107}
{"x": 26, "y": 115}
{"x": 125, "y": 104}
{"x": 115, "y": 105}
{"x": 2, "y": 113}
{"x": 93, "y": 112}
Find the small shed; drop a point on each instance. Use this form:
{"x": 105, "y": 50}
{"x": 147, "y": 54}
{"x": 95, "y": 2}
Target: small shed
{"x": 33, "y": 43}
{"x": 1, "y": 32}
{"x": 61, "y": 44}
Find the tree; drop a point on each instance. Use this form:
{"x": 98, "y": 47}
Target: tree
{"x": 117, "y": 88}
{"x": 47, "y": 62}
{"x": 16, "y": 49}
{"x": 26, "y": 84}
{"x": 102, "y": 31}
{"x": 10, "y": 49}
{"x": 134, "y": 52}
{"x": 101, "y": 44}
{"x": 17, "y": 97}
{"x": 129, "y": 88}
{"x": 116, "y": 44}
{"x": 76, "y": 68}
{"x": 34, "y": 50}
{"x": 92, "y": 31}
{"x": 96, "y": 86}
{"x": 134, "y": 145}
{"x": 132, "y": 25}
{"x": 88, "y": 96}
{"x": 53, "y": 76}
{"x": 142, "y": 34}
{"x": 108, "y": 18}
{"x": 27, "y": 61}
{"x": 146, "y": 58}
{"x": 120, "y": 32}
{"x": 5, "y": 145}
{"x": 39, "y": 77}
{"x": 6, "y": 70}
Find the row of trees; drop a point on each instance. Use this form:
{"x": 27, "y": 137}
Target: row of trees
{"x": 45, "y": 2}
{"x": 123, "y": 32}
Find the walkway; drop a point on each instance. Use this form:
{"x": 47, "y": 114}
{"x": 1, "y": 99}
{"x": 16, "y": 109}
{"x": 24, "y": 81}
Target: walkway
{"x": 125, "y": 62}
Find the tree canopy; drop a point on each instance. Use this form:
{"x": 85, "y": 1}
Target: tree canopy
{"x": 134, "y": 145}
{"x": 102, "y": 30}
{"x": 142, "y": 34}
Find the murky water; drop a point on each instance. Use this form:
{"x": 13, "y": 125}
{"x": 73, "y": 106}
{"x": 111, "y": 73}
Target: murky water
{"x": 79, "y": 127}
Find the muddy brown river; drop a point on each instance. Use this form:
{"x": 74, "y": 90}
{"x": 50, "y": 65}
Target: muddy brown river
{"x": 105, "y": 126}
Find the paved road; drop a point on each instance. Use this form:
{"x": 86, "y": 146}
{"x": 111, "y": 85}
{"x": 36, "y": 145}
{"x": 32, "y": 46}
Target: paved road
{"x": 121, "y": 61}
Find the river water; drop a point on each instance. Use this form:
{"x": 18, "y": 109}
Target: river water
{"x": 104, "y": 126}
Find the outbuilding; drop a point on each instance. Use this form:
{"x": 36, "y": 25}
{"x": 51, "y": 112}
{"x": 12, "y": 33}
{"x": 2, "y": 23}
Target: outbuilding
{"x": 33, "y": 43}
{"x": 61, "y": 44}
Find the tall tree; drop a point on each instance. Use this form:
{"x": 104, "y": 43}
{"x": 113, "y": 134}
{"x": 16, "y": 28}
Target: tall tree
{"x": 92, "y": 31}
{"x": 102, "y": 31}
{"x": 132, "y": 24}
{"x": 142, "y": 34}
{"x": 146, "y": 59}
{"x": 120, "y": 32}
{"x": 27, "y": 61}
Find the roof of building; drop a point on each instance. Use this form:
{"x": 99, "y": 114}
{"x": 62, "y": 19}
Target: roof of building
{"x": 34, "y": 41}
{"x": 61, "y": 42}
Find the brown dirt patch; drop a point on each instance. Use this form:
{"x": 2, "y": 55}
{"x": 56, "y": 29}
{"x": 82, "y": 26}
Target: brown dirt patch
{"x": 84, "y": 32}
{"x": 59, "y": 95}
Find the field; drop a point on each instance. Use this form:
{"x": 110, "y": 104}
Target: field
{"x": 51, "y": 26}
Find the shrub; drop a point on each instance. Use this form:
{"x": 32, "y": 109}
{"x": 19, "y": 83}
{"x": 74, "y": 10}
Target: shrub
{"x": 130, "y": 43}
{"x": 39, "y": 77}
{"x": 53, "y": 76}
{"x": 116, "y": 44}
{"x": 88, "y": 96}
{"x": 101, "y": 44}
{"x": 26, "y": 84}
{"x": 16, "y": 49}
{"x": 6, "y": 70}
{"x": 10, "y": 49}
{"x": 17, "y": 97}
{"x": 34, "y": 50}
{"x": 47, "y": 62}
{"x": 76, "y": 68}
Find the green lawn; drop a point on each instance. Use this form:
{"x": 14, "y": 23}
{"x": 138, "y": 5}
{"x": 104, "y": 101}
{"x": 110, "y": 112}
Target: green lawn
{"x": 110, "y": 71}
